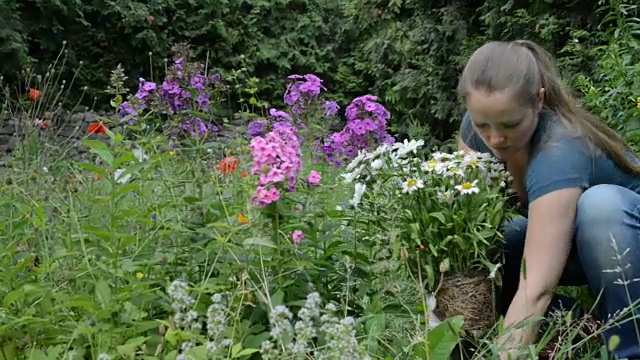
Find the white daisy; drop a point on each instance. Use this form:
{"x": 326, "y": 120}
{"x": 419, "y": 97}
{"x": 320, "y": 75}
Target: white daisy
{"x": 468, "y": 187}
{"x": 441, "y": 156}
{"x": 473, "y": 161}
{"x": 403, "y": 148}
{"x": 411, "y": 185}
{"x": 445, "y": 196}
{"x": 433, "y": 166}
{"x": 454, "y": 171}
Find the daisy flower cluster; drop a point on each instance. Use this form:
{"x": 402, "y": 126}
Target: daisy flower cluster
{"x": 449, "y": 205}
{"x": 449, "y": 174}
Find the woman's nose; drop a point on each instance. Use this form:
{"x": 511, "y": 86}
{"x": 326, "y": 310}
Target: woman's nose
{"x": 496, "y": 138}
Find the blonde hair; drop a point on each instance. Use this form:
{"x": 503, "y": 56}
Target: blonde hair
{"x": 523, "y": 67}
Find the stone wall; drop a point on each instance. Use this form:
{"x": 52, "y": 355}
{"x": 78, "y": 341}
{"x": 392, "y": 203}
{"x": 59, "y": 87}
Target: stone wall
{"x": 64, "y": 131}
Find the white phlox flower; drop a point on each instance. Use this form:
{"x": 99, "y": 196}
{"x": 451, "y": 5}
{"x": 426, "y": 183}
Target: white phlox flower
{"x": 357, "y": 195}
{"x": 406, "y": 147}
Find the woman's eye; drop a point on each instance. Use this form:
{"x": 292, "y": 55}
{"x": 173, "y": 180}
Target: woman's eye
{"x": 510, "y": 126}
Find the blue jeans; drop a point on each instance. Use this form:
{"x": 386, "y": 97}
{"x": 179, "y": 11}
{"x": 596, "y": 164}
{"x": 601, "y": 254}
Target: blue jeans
{"x": 604, "y": 212}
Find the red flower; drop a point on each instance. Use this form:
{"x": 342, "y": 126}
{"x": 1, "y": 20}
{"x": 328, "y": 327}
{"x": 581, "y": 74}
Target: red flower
{"x": 34, "y": 94}
{"x": 97, "y": 128}
{"x": 228, "y": 165}
{"x": 244, "y": 174}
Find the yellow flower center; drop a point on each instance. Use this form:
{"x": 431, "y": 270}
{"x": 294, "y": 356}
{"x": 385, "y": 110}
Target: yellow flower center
{"x": 467, "y": 186}
{"x": 412, "y": 183}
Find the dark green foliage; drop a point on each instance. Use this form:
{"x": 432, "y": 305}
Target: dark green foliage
{"x": 408, "y": 52}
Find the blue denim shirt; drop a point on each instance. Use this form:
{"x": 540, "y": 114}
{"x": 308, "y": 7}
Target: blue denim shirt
{"x": 560, "y": 159}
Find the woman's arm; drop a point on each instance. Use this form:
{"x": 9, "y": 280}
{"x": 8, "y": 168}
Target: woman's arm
{"x": 547, "y": 246}
{"x": 556, "y": 177}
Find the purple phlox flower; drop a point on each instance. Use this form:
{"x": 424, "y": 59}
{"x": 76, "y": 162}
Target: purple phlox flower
{"x": 366, "y": 128}
{"x": 331, "y": 108}
{"x": 178, "y": 63}
{"x": 126, "y": 109}
{"x": 257, "y": 128}
{"x": 203, "y": 101}
{"x": 196, "y": 127}
{"x": 199, "y": 82}
{"x": 307, "y": 88}
{"x": 277, "y": 114}
{"x": 144, "y": 89}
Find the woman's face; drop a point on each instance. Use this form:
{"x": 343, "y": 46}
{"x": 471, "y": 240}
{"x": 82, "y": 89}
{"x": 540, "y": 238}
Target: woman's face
{"x": 504, "y": 125}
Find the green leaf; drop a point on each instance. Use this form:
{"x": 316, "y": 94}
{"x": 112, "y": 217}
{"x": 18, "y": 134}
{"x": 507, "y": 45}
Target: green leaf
{"x": 116, "y": 101}
{"x": 129, "y": 349}
{"x": 11, "y": 297}
{"x": 36, "y": 354}
{"x": 191, "y": 199}
{"x": 93, "y": 168}
{"x": 277, "y": 298}
{"x": 245, "y": 352}
{"x": 444, "y": 338}
{"x": 101, "y": 149}
{"x": 103, "y": 292}
{"x": 440, "y": 216}
{"x": 261, "y": 241}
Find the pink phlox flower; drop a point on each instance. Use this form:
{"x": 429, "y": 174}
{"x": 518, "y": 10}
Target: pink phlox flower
{"x": 314, "y": 178}
{"x": 265, "y": 196}
{"x": 297, "y": 236}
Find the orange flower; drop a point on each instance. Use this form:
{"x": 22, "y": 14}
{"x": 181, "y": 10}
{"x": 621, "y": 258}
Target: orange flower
{"x": 228, "y": 165}
{"x": 34, "y": 94}
{"x": 242, "y": 219}
{"x": 97, "y": 128}
{"x": 96, "y": 176}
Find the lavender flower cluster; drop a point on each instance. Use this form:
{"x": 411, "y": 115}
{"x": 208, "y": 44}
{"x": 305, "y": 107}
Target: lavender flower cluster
{"x": 366, "y": 121}
{"x": 289, "y": 341}
{"x": 186, "y": 319}
{"x": 366, "y": 128}
{"x": 185, "y": 91}
{"x": 302, "y": 96}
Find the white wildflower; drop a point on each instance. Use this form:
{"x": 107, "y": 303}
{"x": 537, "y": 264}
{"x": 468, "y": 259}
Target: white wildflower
{"x": 140, "y": 155}
{"x": 468, "y": 187}
{"x": 356, "y": 161}
{"x": 357, "y": 195}
{"x": 494, "y": 271}
{"x": 377, "y": 164}
{"x": 406, "y": 147}
{"x": 445, "y": 196}
{"x": 433, "y": 166}
{"x": 453, "y": 171}
{"x": 411, "y": 185}
{"x": 119, "y": 177}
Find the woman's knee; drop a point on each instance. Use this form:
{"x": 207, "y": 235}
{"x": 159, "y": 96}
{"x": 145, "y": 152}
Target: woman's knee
{"x": 607, "y": 223}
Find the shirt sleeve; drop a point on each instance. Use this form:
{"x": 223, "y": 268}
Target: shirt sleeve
{"x": 562, "y": 164}
{"x": 470, "y": 137}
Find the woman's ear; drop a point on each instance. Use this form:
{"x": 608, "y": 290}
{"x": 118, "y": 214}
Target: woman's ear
{"x": 540, "y": 99}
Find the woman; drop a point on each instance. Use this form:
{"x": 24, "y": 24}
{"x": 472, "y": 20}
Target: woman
{"x": 579, "y": 183}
